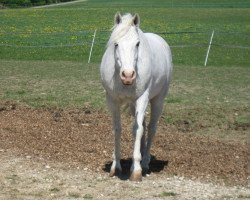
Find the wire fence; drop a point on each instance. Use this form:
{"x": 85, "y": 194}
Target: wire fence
{"x": 94, "y": 42}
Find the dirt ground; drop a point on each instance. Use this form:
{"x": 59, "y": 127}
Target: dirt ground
{"x": 65, "y": 154}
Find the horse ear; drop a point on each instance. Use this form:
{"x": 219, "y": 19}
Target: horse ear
{"x": 136, "y": 20}
{"x": 118, "y": 18}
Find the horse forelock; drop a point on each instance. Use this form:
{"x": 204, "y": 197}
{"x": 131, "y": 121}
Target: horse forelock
{"x": 119, "y": 30}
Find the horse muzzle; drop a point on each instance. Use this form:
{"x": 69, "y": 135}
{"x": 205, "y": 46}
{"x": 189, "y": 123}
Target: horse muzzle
{"x": 128, "y": 76}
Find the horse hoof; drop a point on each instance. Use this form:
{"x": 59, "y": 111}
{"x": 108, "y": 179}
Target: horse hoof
{"x": 115, "y": 172}
{"x": 136, "y": 176}
{"x": 145, "y": 171}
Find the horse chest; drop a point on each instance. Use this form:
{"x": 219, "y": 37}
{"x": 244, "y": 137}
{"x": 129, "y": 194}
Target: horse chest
{"x": 124, "y": 94}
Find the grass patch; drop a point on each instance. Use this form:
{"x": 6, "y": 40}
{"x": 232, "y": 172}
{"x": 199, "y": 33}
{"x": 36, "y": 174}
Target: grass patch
{"x": 54, "y": 189}
{"x": 74, "y": 195}
{"x": 212, "y": 100}
{"x": 244, "y": 196}
{"x": 53, "y": 84}
{"x": 88, "y": 196}
{"x": 13, "y": 179}
{"x": 169, "y": 194}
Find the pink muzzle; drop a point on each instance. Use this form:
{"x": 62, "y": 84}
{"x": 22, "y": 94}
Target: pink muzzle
{"x": 128, "y": 76}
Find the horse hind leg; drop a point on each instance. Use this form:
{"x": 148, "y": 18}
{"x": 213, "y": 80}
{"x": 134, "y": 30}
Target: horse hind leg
{"x": 156, "y": 110}
{"x": 116, "y": 169}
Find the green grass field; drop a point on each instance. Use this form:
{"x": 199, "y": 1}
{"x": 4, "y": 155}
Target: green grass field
{"x": 41, "y": 34}
{"x": 36, "y": 68}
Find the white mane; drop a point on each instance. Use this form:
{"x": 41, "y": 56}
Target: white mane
{"x": 119, "y": 30}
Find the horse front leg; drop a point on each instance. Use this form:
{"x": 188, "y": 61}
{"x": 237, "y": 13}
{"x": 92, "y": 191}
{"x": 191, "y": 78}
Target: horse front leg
{"x": 116, "y": 119}
{"x": 141, "y": 105}
{"x": 143, "y": 141}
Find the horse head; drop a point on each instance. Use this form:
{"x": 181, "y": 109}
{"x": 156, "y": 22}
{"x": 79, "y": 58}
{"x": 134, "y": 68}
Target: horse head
{"x": 126, "y": 42}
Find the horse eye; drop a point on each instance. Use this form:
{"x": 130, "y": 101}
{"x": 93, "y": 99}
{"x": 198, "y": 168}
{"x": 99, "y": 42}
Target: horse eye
{"x": 137, "y": 44}
{"x": 116, "y": 45}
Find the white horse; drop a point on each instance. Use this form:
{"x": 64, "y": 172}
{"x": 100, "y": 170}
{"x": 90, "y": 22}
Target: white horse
{"x": 135, "y": 69}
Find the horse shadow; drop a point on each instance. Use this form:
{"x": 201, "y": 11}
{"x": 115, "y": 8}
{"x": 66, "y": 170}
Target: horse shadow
{"x": 154, "y": 166}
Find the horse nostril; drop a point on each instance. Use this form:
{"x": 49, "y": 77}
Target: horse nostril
{"x": 133, "y": 74}
{"x": 123, "y": 74}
